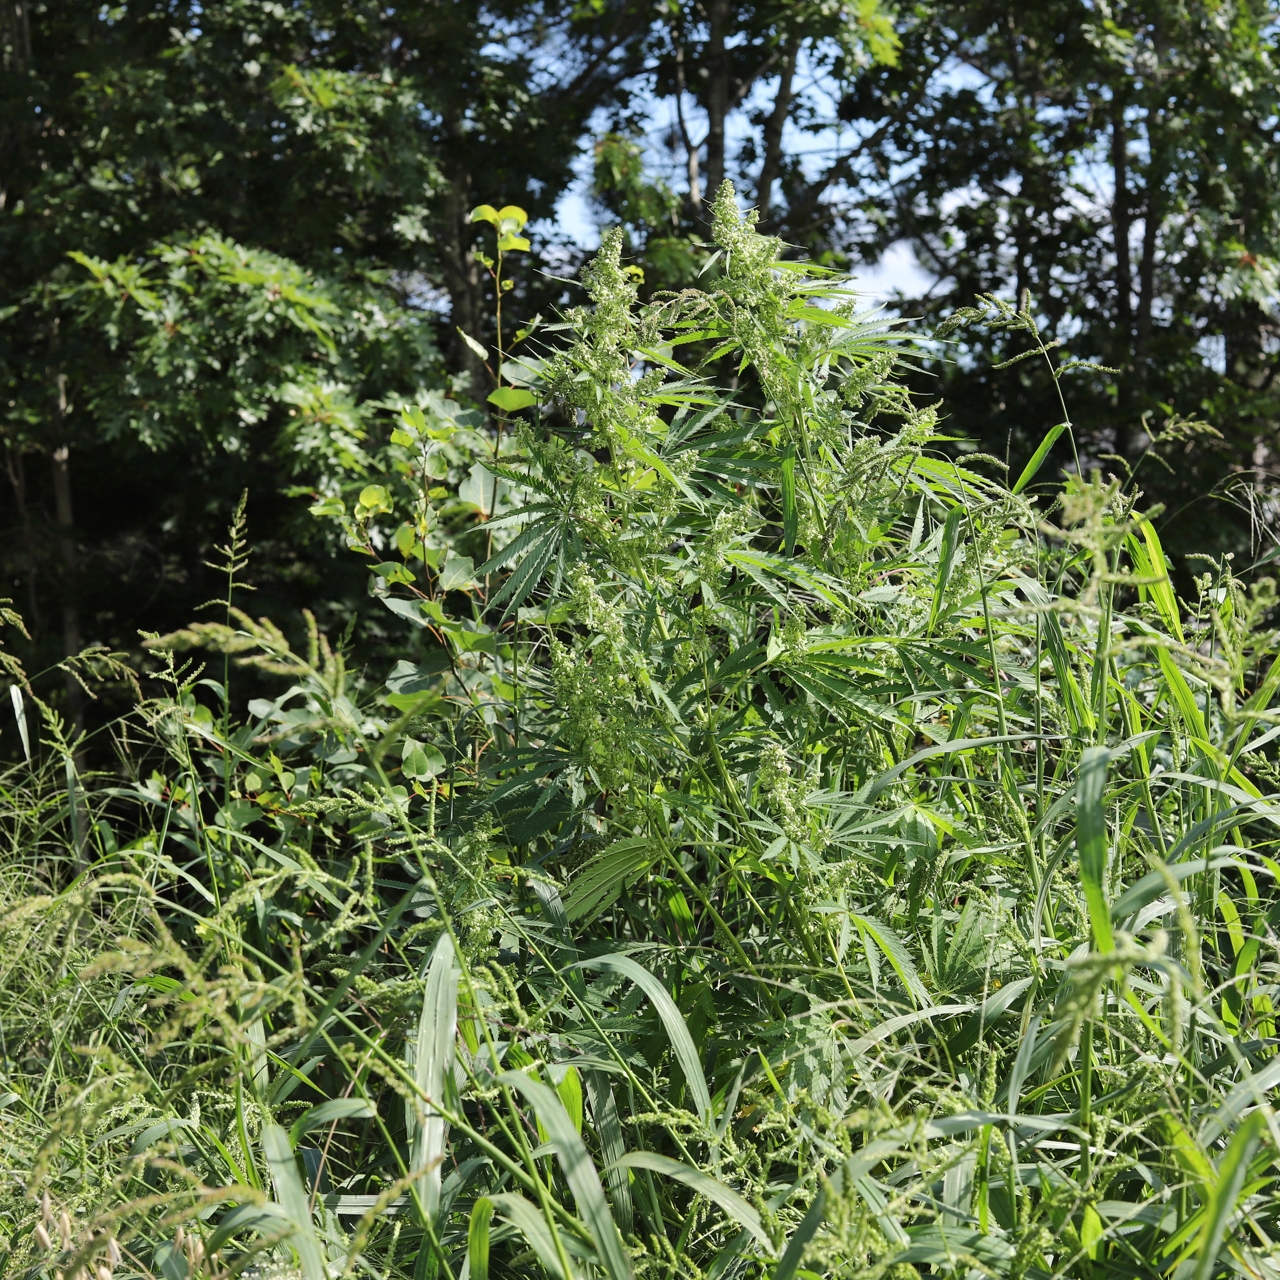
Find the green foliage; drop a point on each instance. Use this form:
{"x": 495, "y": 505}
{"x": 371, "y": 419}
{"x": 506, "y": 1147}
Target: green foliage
{"x": 789, "y": 853}
{"x": 217, "y": 340}
{"x": 1119, "y": 163}
{"x": 281, "y": 185}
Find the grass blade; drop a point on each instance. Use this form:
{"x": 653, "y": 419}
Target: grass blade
{"x": 790, "y": 512}
{"x": 790, "y": 1261}
{"x": 705, "y": 1185}
{"x": 682, "y": 1045}
{"x": 579, "y": 1172}
{"x": 604, "y": 1111}
{"x": 292, "y": 1198}
{"x": 528, "y": 1220}
{"x": 433, "y": 1060}
{"x": 327, "y": 1113}
{"x": 1233, "y": 1169}
{"x": 1091, "y": 842}
{"x": 478, "y": 1239}
{"x": 1037, "y": 458}
{"x": 946, "y": 559}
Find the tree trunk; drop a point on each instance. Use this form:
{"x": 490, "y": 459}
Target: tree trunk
{"x": 773, "y": 129}
{"x": 1146, "y": 274}
{"x": 15, "y": 37}
{"x": 717, "y": 97}
{"x": 15, "y": 60}
{"x": 690, "y": 151}
{"x": 1146, "y": 278}
{"x": 1129, "y": 436}
{"x": 458, "y": 264}
{"x": 16, "y": 467}
{"x": 1121, "y": 224}
{"x": 71, "y": 640}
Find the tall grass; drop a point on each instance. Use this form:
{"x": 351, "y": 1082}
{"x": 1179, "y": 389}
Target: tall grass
{"x": 797, "y": 851}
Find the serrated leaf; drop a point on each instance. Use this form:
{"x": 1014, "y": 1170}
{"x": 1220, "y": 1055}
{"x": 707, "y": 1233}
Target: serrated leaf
{"x": 598, "y": 883}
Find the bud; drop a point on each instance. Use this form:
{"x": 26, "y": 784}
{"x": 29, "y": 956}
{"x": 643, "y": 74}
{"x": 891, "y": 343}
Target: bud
{"x": 46, "y": 1209}
{"x": 103, "y": 1272}
{"x": 113, "y": 1252}
{"x": 180, "y": 1238}
{"x": 42, "y": 1237}
{"x": 64, "y": 1229}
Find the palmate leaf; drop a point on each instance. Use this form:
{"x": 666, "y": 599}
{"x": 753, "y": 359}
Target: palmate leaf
{"x": 554, "y": 537}
{"x": 892, "y": 948}
{"x": 773, "y": 570}
{"x": 598, "y": 883}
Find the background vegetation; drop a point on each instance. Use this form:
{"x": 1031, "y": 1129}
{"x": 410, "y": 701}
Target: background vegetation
{"x": 712, "y": 782}
{"x": 271, "y": 206}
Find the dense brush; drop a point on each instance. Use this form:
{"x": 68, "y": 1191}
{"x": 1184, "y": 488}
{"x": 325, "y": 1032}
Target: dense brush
{"x": 796, "y": 850}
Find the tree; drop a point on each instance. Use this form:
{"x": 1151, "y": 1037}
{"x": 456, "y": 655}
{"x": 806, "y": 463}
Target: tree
{"x": 206, "y": 159}
{"x": 749, "y": 71}
{"x": 1117, "y": 162}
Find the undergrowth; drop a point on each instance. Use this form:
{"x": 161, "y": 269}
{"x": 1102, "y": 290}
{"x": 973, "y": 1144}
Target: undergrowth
{"x": 796, "y": 850}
